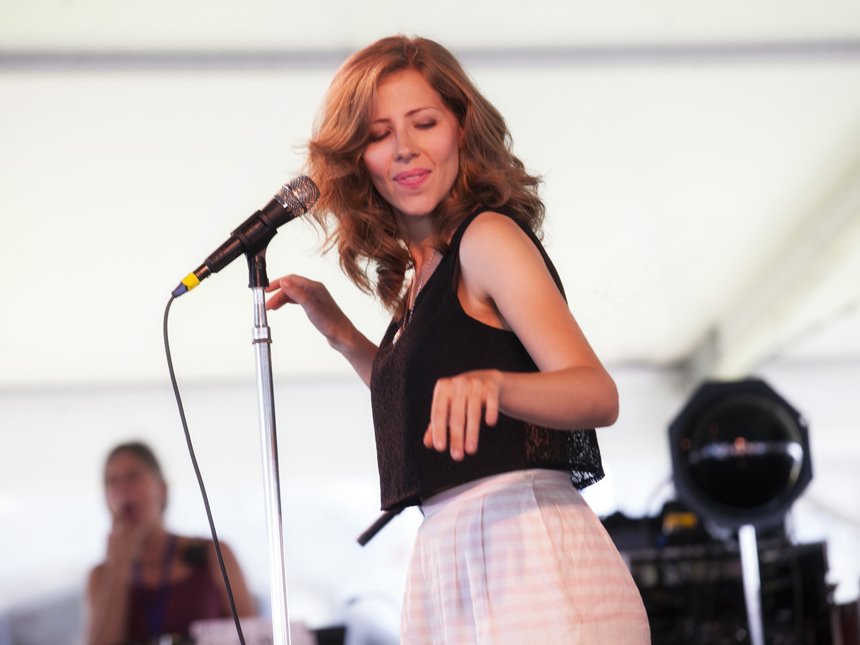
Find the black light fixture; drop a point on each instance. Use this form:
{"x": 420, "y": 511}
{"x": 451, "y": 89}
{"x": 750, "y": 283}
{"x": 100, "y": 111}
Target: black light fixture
{"x": 740, "y": 454}
{"x": 740, "y": 458}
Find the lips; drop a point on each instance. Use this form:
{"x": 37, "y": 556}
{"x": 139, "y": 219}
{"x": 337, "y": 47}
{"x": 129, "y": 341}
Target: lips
{"x": 412, "y": 178}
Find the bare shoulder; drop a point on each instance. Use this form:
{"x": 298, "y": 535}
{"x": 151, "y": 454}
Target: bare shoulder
{"x": 95, "y": 579}
{"x": 230, "y": 561}
{"x": 244, "y": 600}
{"x": 490, "y": 226}
{"x": 225, "y": 548}
{"x": 97, "y": 571}
{"x": 493, "y": 250}
{"x": 495, "y": 239}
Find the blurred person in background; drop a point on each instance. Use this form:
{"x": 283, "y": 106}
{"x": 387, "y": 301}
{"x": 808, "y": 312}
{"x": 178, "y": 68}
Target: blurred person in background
{"x": 153, "y": 583}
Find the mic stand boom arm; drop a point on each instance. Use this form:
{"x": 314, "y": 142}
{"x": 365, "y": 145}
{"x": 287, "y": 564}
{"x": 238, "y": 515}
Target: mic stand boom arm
{"x": 262, "y": 341}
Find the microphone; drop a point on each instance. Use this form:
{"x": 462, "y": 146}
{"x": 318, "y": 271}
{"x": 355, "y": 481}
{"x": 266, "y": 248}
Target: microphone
{"x": 291, "y": 201}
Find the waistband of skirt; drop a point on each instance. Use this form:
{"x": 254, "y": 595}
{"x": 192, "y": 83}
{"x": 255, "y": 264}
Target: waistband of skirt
{"x": 491, "y": 484}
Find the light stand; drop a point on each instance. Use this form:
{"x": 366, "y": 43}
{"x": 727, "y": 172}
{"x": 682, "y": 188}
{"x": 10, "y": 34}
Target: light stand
{"x": 740, "y": 457}
{"x": 752, "y": 582}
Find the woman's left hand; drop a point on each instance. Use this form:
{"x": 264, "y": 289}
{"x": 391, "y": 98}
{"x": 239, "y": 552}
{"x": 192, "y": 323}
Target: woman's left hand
{"x": 459, "y": 402}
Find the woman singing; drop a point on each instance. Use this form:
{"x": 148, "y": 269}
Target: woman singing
{"x": 483, "y": 387}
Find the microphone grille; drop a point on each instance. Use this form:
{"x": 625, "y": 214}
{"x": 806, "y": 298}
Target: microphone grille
{"x": 298, "y": 195}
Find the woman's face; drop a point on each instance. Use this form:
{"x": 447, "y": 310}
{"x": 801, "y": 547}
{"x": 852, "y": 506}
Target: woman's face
{"x": 135, "y": 494}
{"x": 413, "y": 154}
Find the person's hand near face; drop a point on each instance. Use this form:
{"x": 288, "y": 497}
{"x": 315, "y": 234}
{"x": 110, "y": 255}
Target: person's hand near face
{"x": 136, "y": 498}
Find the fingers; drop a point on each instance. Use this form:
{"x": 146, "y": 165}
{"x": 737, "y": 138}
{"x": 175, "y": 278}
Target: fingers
{"x": 278, "y": 300}
{"x": 292, "y": 289}
{"x": 297, "y": 284}
{"x": 439, "y": 414}
{"x": 473, "y": 426}
{"x": 457, "y": 416}
{"x": 458, "y": 405}
{"x": 284, "y": 287}
{"x": 117, "y": 524}
{"x": 317, "y": 303}
{"x": 491, "y": 405}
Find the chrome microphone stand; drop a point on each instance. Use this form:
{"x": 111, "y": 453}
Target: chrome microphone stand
{"x": 252, "y": 237}
{"x": 262, "y": 341}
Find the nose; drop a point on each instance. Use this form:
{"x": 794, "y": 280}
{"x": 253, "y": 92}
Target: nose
{"x": 406, "y": 148}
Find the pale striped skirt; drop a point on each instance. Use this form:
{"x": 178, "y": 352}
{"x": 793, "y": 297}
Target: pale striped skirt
{"x": 516, "y": 559}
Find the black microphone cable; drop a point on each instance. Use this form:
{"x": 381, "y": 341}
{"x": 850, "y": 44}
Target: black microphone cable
{"x": 199, "y": 476}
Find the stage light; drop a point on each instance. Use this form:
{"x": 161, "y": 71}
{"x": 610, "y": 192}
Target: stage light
{"x": 740, "y": 458}
{"x": 740, "y": 454}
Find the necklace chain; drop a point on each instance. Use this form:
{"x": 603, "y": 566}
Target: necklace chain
{"x": 415, "y": 292}
{"x": 421, "y": 278}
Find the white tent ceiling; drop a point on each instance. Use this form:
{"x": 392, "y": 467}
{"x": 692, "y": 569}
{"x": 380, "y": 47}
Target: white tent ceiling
{"x": 701, "y": 165}
{"x": 276, "y": 25}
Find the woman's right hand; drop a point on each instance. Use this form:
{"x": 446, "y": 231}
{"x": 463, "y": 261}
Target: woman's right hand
{"x": 327, "y": 317}
{"x": 107, "y": 589}
{"x": 125, "y": 544}
{"x": 314, "y": 298}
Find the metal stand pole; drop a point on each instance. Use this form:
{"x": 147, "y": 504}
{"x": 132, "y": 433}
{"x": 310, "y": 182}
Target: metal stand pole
{"x": 752, "y": 582}
{"x": 268, "y": 438}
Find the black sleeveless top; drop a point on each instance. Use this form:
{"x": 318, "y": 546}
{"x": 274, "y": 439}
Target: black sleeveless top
{"x": 441, "y": 340}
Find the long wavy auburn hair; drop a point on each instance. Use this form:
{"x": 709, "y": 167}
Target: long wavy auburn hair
{"x": 365, "y": 231}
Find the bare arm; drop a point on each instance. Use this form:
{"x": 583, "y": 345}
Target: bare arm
{"x": 327, "y": 317}
{"x": 107, "y": 604}
{"x": 108, "y": 588}
{"x": 505, "y": 283}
